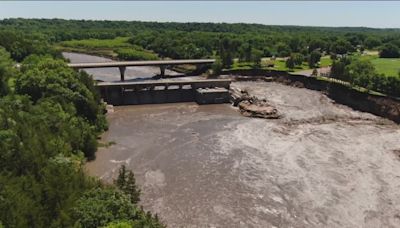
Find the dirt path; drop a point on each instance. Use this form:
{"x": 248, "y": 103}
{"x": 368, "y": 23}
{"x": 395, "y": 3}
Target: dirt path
{"x": 322, "y": 165}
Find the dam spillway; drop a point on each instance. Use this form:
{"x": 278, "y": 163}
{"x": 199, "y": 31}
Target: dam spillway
{"x": 205, "y": 91}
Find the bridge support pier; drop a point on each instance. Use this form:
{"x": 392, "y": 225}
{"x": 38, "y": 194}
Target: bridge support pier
{"x": 122, "y": 71}
{"x": 162, "y": 71}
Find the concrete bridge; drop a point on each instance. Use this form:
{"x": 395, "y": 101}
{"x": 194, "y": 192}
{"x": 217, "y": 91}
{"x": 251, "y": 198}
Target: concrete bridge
{"x": 204, "y": 91}
{"x": 123, "y": 64}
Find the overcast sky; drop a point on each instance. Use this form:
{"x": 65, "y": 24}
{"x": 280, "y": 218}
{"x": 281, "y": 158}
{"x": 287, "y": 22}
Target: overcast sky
{"x": 377, "y": 14}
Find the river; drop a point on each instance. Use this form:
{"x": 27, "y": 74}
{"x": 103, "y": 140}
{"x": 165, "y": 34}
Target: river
{"x": 321, "y": 165}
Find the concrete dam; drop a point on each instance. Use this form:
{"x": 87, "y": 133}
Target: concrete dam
{"x": 206, "y": 91}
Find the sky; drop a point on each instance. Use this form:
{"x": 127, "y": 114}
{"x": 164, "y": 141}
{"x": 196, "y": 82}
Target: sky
{"x": 377, "y": 14}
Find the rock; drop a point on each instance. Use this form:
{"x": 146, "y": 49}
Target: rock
{"x": 251, "y": 106}
{"x": 110, "y": 108}
{"x": 257, "y": 108}
{"x": 238, "y": 95}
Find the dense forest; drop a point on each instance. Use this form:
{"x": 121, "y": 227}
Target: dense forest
{"x": 51, "y": 116}
{"x": 50, "y": 119}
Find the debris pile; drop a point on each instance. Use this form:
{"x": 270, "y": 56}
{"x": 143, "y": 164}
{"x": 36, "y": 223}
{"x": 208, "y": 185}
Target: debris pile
{"x": 251, "y": 106}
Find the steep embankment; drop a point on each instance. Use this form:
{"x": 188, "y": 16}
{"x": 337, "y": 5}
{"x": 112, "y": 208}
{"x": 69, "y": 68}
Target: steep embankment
{"x": 383, "y": 106}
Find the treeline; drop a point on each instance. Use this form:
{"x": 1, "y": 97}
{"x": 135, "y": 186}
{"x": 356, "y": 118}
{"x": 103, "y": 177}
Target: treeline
{"x": 50, "y": 118}
{"x": 20, "y": 44}
{"x": 198, "y": 40}
{"x": 363, "y": 74}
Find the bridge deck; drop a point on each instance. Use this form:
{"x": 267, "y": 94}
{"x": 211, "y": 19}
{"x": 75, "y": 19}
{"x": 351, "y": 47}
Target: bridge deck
{"x": 141, "y": 63}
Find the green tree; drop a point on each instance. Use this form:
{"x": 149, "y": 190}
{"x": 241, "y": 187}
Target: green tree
{"x": 290, "y": 63}
{"x": 226, "y": 52}
{"x": 298, "y": 58}
{"x": 372, "y": 42}
{"x": 217, "y": 66}
{"x": 316, "y": 44}
{"x": 100, "y": 206}
{"x": 315, "y": 57}
{"x": 6, "y": 70}
{"x": 361, "y": 73}
{"x": 267, "y": 52}
{"x": 389, "y": 51}
{"x": 283, "y": 49}
{"x": 295, "y": 44}
{"x": 341, "y": 47}
{"x": 245, "y": 52}
{"x": 126, "y": 183}
{"x": 256, "y": 56}
{"x": 53, "y": 78}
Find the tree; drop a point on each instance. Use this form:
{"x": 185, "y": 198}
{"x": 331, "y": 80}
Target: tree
{"x": 341, "y": 47}
{"x": 256, "y": 57}
{"x": 126, "y": 183}
{"x": 226, "y": 52}
{"x": 245, "y": 52}
{"x": 337, "y": 69}
{"x": 110, "y": 207}
{"x": 100, "y": 206}
{"x": 372, "y": 42}
{"x": 217, "y": 66}
{"x": 314, "y": 72}
{"x": 315, "y": 57}
{"x": 361, "y": 73}
{"x": 267, "y": 52}
{"x": 389, "y": 51}
{"x": 295, "y": 44}
{"x": 298, "y": 58}
{"x": 6, "y": 70}
{"x": 290, "y": 63}
{"x": 316, "y": 44}
{"x": 283, "y": 49}
{"x": 48, "y": 77}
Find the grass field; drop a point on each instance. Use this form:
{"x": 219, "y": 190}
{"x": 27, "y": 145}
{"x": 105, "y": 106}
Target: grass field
{"x": 387, "y": 66}
{"x": 115, "y": 48}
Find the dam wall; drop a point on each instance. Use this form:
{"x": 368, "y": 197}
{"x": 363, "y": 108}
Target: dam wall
{"x": 200, "y": 91}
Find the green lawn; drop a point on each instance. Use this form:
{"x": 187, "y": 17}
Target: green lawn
{"x": 387, "y": 66}
{"x": 118, "y": 47}
{"x": 325, "y": 61}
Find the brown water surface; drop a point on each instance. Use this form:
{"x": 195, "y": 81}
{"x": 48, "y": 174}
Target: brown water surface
{"x": 321, "y": 165}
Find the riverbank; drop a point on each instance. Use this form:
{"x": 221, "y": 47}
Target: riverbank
{"x": 339, "y": 91}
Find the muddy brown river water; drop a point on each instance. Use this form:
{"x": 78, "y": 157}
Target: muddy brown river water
{"x": 321, "y": 165}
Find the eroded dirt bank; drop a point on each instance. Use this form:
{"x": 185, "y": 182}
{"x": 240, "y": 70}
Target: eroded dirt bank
{"x": 321, "y": 165}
